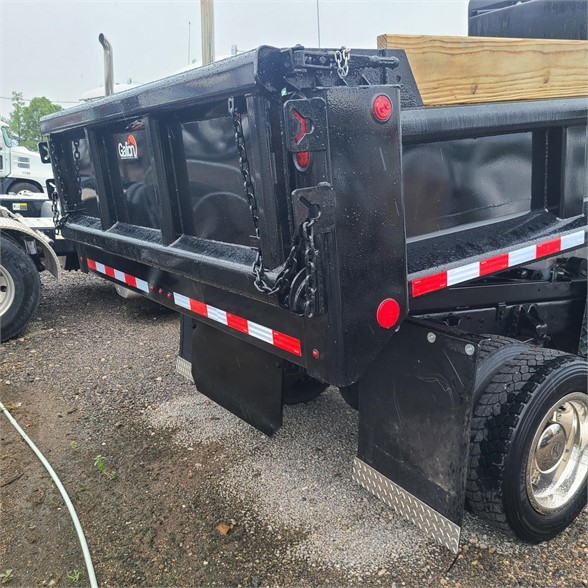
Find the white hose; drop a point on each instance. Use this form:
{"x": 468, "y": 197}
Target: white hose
{"x": 70, "y": 506}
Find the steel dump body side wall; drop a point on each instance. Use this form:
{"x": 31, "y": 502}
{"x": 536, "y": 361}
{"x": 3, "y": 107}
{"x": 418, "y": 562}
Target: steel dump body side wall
{"x": 362, "y": 235}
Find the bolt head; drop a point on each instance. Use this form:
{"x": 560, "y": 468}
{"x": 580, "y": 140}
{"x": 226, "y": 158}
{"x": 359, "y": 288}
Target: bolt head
{"x": 431, "y": 337}
{"x": 470, "y": 349}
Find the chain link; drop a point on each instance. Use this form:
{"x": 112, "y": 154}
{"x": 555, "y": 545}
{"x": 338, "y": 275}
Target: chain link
{"x": 342, "y": 59}
{"x": 304, "y": 233}
{"x": 76, "y": 158}
{"x": 57, "y": 220}
{"x": 310, "y": 262}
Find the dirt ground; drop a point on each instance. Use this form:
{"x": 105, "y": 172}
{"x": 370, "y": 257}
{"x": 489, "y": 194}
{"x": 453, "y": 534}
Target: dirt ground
{"x": 94, "y": 375}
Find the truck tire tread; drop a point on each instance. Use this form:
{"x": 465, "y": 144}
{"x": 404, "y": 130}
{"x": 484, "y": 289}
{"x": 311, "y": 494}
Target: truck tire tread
{"x": 493, "y": 425}
{"x": 493, "y": 353}
{"x": 583, "y": 345}
{"x": 27, "y": 288}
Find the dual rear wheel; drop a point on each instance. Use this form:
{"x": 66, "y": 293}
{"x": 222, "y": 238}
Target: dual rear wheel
{"x": 529, "y": 439}
{"x": 528, "y": 464}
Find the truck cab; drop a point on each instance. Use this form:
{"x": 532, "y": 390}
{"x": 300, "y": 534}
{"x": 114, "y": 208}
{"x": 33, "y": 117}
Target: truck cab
{"x": 20, "y": 169}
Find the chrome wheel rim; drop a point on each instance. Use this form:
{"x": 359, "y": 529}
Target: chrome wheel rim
{"x": 558, "y": 460}
{"x": 6, "y": 290}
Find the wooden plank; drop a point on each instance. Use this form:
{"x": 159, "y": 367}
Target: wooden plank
{"x": 465, "y": 70}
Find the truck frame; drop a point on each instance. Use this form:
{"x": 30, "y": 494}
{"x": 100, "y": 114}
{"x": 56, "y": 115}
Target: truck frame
{"x": 315, "y": 225}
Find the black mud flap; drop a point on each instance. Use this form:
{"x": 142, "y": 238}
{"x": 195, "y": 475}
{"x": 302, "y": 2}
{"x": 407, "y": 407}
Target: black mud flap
{"x": 240, "y": 377}
{"x": 415, "y": 405}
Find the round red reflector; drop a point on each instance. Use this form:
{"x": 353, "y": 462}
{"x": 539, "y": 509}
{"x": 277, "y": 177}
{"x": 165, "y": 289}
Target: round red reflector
{"x": 388, "y": 313}
{"x": 382, "y": 108}
{"x": 315, "y": 353}
{"x": 303, "y": 159}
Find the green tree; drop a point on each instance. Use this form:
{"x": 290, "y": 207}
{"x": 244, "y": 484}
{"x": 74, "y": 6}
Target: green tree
{"x": 15, "y": 120}
{"x": 24, "y": 120}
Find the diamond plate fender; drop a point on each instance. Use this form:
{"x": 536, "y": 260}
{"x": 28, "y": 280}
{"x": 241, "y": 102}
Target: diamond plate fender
{"x": 415, "y": 405}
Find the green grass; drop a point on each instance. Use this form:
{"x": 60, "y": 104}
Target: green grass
{"x": 74, "y": 576}
{"x": 99, "y": 463}
{"x": 6, "y": 576}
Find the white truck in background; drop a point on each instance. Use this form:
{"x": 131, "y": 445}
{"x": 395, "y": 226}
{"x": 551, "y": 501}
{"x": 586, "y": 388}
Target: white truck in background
{"x": 21, "y": 170}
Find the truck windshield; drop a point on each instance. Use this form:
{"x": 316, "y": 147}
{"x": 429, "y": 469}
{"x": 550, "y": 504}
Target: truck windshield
{"x": 6, "y": 137}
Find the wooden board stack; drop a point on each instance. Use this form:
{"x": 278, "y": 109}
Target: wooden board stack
{"x": 466, "y": 70}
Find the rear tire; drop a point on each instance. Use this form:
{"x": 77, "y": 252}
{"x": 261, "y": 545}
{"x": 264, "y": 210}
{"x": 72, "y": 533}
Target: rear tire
{"x": 519, "y": 440}
{"x": 20, "y": 288}
{"x": 494, "y": 353}
{"x": 583, "y": 344}
{"x": 299, "y": 387}
{"x": 351, "y": 395}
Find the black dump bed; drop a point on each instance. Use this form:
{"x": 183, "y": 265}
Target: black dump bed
{"x": 308, "y": 208}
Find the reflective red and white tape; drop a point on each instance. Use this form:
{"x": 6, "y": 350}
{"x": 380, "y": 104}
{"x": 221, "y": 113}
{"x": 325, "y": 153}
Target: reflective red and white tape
{"x": 118, "y": 275}
{"x": 494, "y": 264}
{"x": 275, "y": 338}
{"x": 271, "y": 336}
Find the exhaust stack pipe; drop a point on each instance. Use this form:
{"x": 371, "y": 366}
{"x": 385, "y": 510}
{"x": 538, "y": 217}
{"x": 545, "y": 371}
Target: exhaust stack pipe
{"x": 108, "y": 65}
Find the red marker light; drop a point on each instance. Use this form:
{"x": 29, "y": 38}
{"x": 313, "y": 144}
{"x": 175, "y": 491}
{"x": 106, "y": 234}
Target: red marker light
{"x": 388, "y": 313}
{"x": 382, "y": 108}
{"x": 315, "y": 353}
{"x": 302, "y": 160}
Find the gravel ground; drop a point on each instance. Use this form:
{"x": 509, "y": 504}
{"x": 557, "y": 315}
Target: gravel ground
{"x": 95, "y": 374}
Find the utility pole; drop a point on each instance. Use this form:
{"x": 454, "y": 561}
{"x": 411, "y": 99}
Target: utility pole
{"x": 318, "y": 23}
{"x": 207, "y": 25}
{"x": 189, "y": 38}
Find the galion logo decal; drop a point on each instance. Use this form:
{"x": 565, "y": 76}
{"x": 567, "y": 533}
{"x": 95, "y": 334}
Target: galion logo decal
{"x": 128, "y": 149}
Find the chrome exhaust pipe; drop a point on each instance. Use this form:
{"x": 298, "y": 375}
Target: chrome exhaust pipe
{"x": 108, "y": 65}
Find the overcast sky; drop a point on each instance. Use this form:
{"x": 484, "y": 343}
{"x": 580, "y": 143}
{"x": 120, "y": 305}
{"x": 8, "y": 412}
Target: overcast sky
{"x": 50, "y": 47}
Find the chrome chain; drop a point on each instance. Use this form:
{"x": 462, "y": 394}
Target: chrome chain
{"x": 304, "y": 233}
{"x": 342, "y": 59}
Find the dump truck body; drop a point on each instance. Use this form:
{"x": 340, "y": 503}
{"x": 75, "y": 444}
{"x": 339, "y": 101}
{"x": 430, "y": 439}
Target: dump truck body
{"x": 311, "y": 219}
